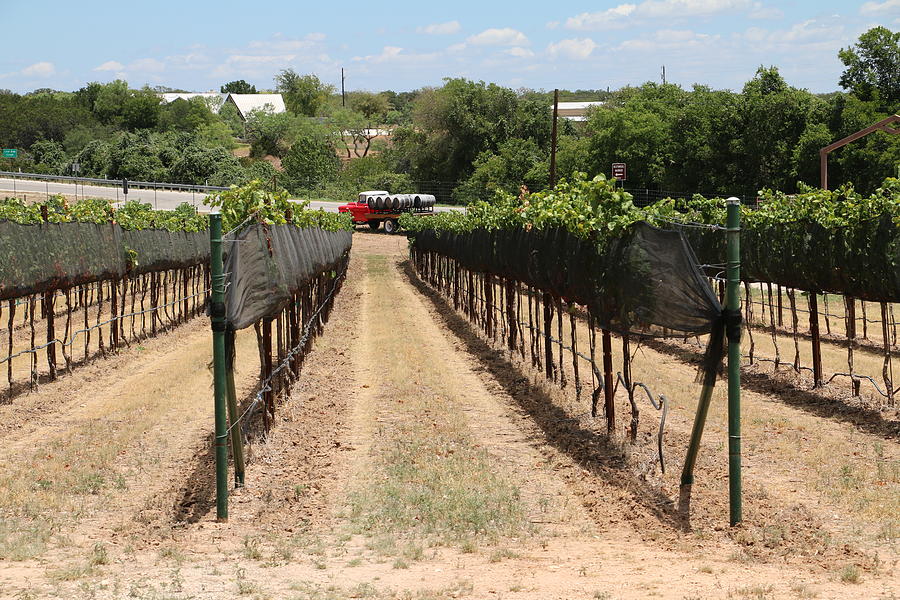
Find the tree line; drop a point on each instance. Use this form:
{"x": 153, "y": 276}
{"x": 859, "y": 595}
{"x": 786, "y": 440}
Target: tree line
{"x": 476, "y": 137}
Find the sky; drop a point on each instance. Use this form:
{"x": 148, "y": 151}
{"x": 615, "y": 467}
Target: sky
{"x": 402, "y": 45}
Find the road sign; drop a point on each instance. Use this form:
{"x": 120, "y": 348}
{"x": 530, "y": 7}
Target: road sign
{"x": 10, "y": 153}
{"x": 618, "y": 171}
{"x": 76, "y": 167}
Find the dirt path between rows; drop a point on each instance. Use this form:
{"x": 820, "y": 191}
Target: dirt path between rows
{"x": 407, "y": 463}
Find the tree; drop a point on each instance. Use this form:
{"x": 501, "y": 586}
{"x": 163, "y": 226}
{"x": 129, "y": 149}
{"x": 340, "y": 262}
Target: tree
{"x": 303, "y": 94}
{"x": 108, "y": 101}
{"x": 354, "y": 131}
{"x": 238, "y": 87}
{"x": 517, "y": 162}
{"x": 50, "y": 154}
{"x": 311, "y": 161}
{"x": 185, "y": 115}
{"x": 140, "y": 110}
{"x": 873, "y": 66}
{"x": 452, "y": 125}
{"x": 372, "y": 106}
{"x": 272, "y": 133}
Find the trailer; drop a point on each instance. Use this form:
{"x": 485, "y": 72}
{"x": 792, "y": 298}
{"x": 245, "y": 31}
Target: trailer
{"x": 377, "y": 207}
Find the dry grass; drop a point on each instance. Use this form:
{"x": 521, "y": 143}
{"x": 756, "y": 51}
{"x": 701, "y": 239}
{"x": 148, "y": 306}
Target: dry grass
{"x": 430, "y": 478}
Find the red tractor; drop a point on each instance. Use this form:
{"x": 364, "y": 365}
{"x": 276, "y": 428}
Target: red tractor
{"x": 376, "y": 207}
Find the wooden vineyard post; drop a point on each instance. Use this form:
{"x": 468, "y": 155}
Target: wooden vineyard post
{"x": 816, "y": 341}
{"x": 851, "y": 340}
{"x": 548, "y": 323}
{"x": 609, "y": 389}
{"x": 268, "y": 399}
{"x": 114, "y": 309}
{"x": 48, "y": 312}
{"x": 217, "y": 317}
{"x": 512, "y": 326}
{"x": 237, "y": 439}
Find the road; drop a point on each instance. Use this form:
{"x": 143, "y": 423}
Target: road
{"x": 160, "y": 199}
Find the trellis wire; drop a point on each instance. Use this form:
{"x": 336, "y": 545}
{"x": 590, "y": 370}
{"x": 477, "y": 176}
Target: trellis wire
{"x": 446, "y": 277}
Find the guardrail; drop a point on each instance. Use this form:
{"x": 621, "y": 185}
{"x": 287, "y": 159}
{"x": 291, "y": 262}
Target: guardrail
{"x": 122, "y": 183}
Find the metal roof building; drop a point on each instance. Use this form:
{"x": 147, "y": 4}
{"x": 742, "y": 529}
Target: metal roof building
{"x": 246, "y": 103}
{"x": 215, "y": 98}
{"x": 576, "y": 111}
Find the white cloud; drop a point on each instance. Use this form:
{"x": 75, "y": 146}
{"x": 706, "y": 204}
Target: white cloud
{"x": 519, "y": 52}
{"x": 315, "y": 37}
{"x": 40, "y": 69}
{"x": 552, "y": 24}
{"x": 147, "y": 65}
{"x": 623, "y": 14}
{"x": 575, "y": 48}
{"x": 669, "y": 40}
{"x": 447, "y": 28}
{"x": 611, "y": 18}
{"x": 880, "y": 8}
{"x": 763, "y": 12}
{"x": 395, "y": 54}
{"x": 499, "y": 37}
{"x": 110, "y": 65}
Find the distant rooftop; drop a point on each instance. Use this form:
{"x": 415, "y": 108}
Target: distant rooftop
{"x": 246, "y": 103}
{"x": 576, "y": 111}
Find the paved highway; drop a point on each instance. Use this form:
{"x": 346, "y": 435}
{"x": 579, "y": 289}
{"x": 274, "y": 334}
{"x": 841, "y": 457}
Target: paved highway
{"x": 160, "y": 199}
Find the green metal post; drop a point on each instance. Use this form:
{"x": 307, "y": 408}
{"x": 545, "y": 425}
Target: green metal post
{"x": 220, "y": 390}
{"x": 733, "y": 305}
{"x": 687, "y": 473}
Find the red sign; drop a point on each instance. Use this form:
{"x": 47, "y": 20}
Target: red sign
{"x": 618, "y": 171}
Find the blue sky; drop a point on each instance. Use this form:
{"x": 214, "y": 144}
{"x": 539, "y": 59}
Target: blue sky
{"x": 404, "y": 45}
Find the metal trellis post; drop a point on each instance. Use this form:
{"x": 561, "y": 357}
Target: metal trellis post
{"x": 733, "y": 305}
{"x": 217, "y": 314}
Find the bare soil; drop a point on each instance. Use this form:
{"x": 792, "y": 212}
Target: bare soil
{"x": 594, "y": 516}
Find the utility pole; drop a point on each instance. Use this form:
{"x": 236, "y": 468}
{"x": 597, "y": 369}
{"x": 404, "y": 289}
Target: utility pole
{"x": 553, "y": 139}
{"x": 343, "y": 94}
{"x": 664, "y": 74}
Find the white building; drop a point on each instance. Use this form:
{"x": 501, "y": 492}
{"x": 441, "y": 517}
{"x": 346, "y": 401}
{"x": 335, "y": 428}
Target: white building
{"x": 576, "y": 111}
{"x": 246, "y": 103}
{"x": 215, "y": 100}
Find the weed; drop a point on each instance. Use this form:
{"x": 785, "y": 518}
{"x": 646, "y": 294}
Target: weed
{"x": 468, "y": 547}
{"x": 705, "y": 569}
{"x": 758, "y": 592}
{"x": 401, "y": 564}
{"x": 244, "y": 586}
{"x": 251, "y": 549}
{"x": 501, "y": 553}
{"x": 99, "y": 555}
{"x": 171, "y": 553}
{"x": 802, "y": 591}
{"x": 355, "y": 562}
{"x": 850, "y": 574}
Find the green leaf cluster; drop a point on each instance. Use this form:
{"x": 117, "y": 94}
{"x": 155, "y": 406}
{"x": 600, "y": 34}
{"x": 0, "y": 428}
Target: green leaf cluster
{"x": 258, "y": 202}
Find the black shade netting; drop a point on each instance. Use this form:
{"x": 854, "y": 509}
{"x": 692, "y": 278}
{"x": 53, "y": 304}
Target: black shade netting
{"x": 48, "y": 256}
{"x": 861, "y": 262}
{"x": 266, "y": 264}
{"x": 644, "y": 282}
{"x": 158, "y": 249}
{"x": 647, "y": 282}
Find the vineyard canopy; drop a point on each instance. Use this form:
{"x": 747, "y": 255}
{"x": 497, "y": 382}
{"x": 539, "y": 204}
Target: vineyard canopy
{"x": 42, "y": 257}
{"x": 265, "y": 264}
{"x": 643, "y": 282}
